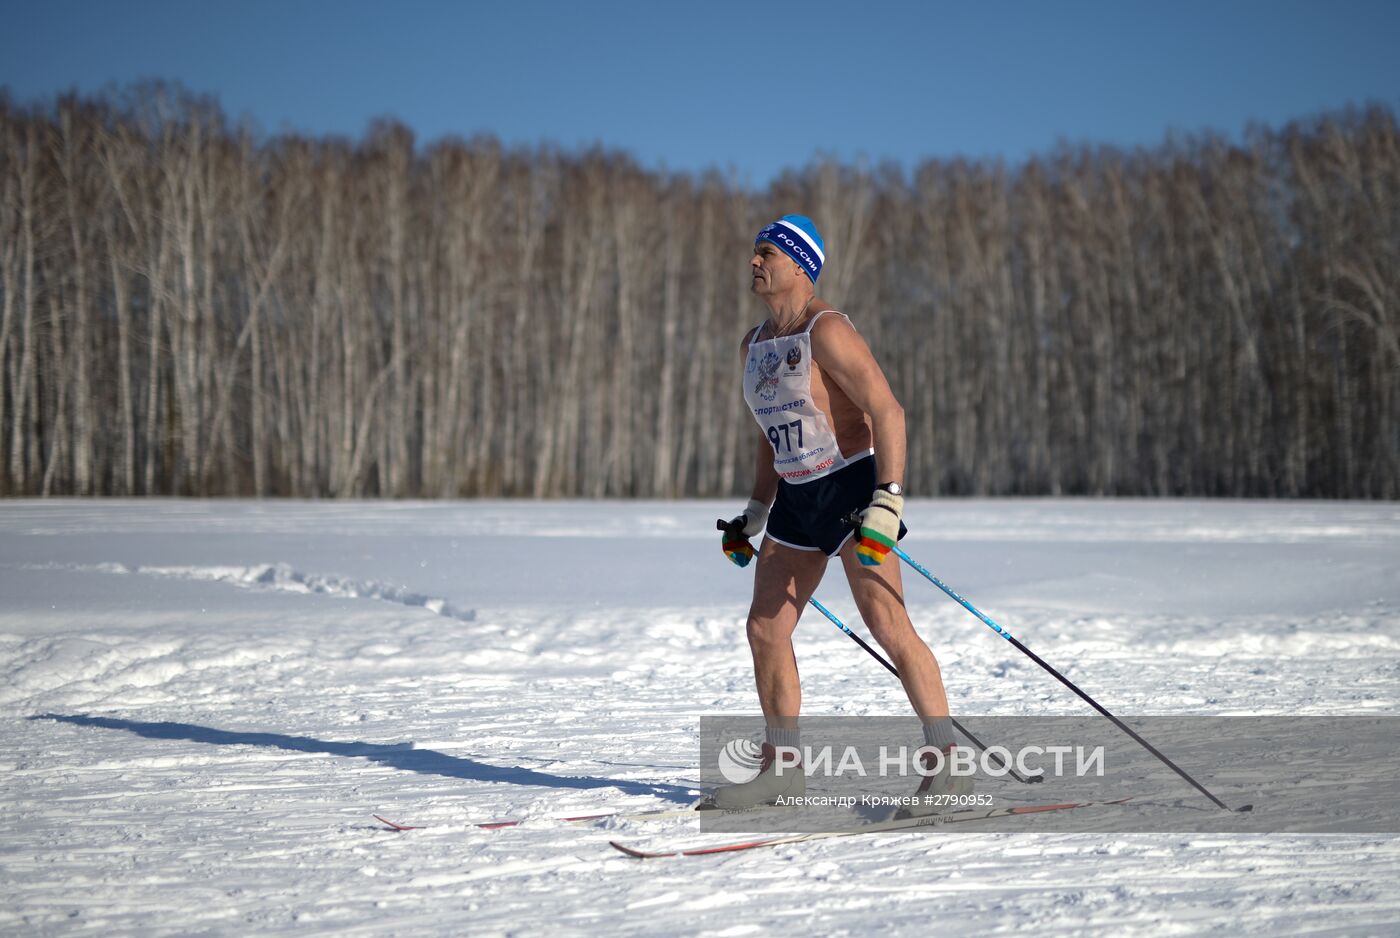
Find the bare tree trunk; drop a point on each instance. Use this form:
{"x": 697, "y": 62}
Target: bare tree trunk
{"x": 10, "y": 238}
{"x": 23, "y": 393}
{"x": 77, "y": 206}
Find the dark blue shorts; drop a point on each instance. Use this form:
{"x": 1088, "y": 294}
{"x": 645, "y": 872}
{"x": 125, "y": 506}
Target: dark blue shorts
{"x": 810, "y": 516}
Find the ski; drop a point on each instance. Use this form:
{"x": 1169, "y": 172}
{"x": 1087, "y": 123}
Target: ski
{"x": 657, "y": 815}
{"x": 902, "y": 824}
{"x": 576, "y": 819}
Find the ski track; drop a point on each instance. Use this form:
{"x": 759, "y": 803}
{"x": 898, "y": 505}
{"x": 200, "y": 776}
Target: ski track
{"x": 195, "y": 738}
{"x": 275, "y": 576}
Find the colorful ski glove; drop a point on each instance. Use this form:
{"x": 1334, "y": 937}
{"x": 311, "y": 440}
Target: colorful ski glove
{"x": 879, "y": 528}
{"x": 736, "y": 535}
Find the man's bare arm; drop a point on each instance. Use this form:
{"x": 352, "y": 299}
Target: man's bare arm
{"x": 765, "y": 485}
{"x": 842, "y": 353}
{"x": 765, "y": 477}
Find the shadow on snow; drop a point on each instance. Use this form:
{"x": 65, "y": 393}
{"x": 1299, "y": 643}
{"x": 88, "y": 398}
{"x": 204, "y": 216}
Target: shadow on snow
{"x": 398, "y": 756}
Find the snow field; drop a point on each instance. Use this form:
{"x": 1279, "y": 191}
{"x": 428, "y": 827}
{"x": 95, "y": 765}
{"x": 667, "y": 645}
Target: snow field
{"x": 203, "y": 702}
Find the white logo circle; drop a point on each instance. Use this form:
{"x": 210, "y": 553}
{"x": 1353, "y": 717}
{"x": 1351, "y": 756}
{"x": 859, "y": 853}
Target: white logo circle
{"x": 739, "y": 760}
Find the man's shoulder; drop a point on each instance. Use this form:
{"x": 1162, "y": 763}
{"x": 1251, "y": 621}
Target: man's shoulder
{"x": 831, "y": 325}
{"x": 836, "y": 344}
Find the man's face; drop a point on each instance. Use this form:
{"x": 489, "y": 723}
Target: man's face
{"x": 773, "y": 271}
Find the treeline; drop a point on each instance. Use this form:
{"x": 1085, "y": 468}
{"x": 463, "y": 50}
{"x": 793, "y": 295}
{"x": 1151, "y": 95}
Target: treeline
{"x": 188, "y": 309}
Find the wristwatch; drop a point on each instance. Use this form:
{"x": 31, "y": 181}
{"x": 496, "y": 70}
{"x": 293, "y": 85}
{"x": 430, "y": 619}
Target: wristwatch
{"x": 894, "y": 488}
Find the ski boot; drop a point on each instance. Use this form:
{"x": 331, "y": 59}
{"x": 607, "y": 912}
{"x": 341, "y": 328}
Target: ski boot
{"x": 939, "y": 793}
{"x": 765, "y": 788}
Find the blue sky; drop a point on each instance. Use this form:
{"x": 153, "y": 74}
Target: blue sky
{"x": 749, "y": 88}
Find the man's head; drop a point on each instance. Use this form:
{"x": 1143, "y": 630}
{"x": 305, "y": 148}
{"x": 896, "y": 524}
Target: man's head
{"x": 787, "y": 253}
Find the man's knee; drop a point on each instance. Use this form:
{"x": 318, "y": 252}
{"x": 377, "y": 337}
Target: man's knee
{"x": 875, "y": 594}
{"x": 891, "y": 627}
{"x": 882, "y": 607}
{"x": 764, "y": 632}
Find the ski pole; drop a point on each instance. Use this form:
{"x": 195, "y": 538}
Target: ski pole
{"x": 1000, "y": 763}
{"x": 724, "y": 526}
{"x": 854, "y": 520}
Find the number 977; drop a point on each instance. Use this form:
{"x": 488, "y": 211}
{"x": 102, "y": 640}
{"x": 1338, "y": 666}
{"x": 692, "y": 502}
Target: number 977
{"x": 782, "y": 435}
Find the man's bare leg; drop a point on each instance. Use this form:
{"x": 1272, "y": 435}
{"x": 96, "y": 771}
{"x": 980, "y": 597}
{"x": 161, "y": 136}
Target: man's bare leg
{"x": 879, "y": 595}
{"x": 784, "y": 581}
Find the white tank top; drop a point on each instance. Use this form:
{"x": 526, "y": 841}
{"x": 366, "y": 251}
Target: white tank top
{"x": 778, "y": 390}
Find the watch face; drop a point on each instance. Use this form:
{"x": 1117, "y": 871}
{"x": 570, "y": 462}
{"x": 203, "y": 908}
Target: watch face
{"x": 894, "y": 488}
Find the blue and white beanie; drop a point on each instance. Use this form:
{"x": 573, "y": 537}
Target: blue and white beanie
{"x": 797, "y": 237}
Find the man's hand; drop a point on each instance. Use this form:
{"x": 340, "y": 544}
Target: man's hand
{"x": 739, "y": 529}
{"x": 879, "y": 528}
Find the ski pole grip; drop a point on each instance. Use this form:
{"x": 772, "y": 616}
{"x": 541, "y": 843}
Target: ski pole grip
{"x": 853, "y": 521}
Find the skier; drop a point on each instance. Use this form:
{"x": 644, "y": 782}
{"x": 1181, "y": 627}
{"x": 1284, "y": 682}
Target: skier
{"x": 831, "y": 441}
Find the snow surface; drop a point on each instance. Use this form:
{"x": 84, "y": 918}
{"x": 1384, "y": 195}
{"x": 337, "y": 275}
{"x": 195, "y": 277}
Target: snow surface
{"x": 203, "y": 702}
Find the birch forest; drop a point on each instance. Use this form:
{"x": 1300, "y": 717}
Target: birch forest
{"x": 188, "y": 307}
